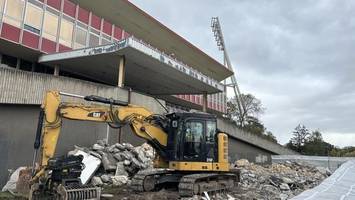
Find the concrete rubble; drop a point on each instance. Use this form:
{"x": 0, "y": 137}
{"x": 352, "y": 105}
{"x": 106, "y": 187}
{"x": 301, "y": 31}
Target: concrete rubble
{"x": 277, "y": 181}
{"x": 271, "y": 182}
{"x": 281, "y": 181}
{"x": 119, "y": 162}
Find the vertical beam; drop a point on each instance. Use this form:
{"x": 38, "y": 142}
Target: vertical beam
{"x": 121, "y": 72}
{"x": 204, "y": 102}
{"x": 18, "y": 63}
{"x": 33, "y": 67}
{"x": 56, "y": 70}
{"x": 119, "y": 135}
{"x": 107, "y": 133}
{"x": 129, "y": 95}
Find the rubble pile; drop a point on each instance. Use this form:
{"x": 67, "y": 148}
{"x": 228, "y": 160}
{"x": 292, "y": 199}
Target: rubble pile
{"x": 119, "y": 162}
{"x": 277, "y": 181}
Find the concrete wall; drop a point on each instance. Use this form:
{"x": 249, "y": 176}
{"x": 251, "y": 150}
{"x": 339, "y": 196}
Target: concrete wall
{"x": 332, "y": 163}
{"x": 242, "y": 150}
{"x": 232, "y": 130}
{"x": 22, "y": 87}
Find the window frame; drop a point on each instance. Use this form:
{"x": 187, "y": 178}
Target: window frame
{"x": 31, "y": 28}
{"x": 91, "y": 32}
{"x": 44, "y": 32}
{"x": 68, "y": 19}
{"x": 83, "y": 27}
{"x": 10, "y": 19}
{"x": 105, "y": 37}
{"x": 2, "y": 9}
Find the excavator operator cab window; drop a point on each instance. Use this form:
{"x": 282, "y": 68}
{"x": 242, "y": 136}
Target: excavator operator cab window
{"x": 211, "y": 131}
{"x": 193, "y": 140}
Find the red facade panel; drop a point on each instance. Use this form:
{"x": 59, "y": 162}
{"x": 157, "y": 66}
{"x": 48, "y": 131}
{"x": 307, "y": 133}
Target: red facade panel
{"x": 107, "y": 27}
{"x": 30, "y": 40}
{"x": 48, "y": 46}
{"x": 126, "y": 35}
{"x": 10, "y": 32}
{"x": 198, "y": 100}
{"x": 96, "y": 22}
{"x": 54, "y": 3}
{"x": 83, "y": 15}
{"x": 63, "y": 48}
{"x": 117, "y": 33}
{"x": 69, "y": 8}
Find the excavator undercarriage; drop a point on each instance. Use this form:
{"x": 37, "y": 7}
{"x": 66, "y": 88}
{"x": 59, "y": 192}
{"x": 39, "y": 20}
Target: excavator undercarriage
{"x": 188, "y": 184}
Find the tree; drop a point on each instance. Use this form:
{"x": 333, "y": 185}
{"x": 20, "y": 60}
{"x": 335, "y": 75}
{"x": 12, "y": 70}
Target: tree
{"x": 253, "y": 125}
{"x": 316, "y": 146}
{"x": 269, "y": 136}
{"x": 343, "y": 152}
{"x": 248, "y": 120}
{"x": 300, "y": 136}
{"x": 253, "y": 108}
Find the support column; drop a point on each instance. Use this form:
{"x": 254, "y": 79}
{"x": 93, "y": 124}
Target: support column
{"x": 204, "y": 102}
{"x": 33, "y": 67}
{"x": 121, "y": 72}
{"x": 107, "y": 133}
{"x": 120, "y": 135}
{"x": 18, "y": 63}
{"x": 0, "y": 58}
{"x": 56, "y": 70}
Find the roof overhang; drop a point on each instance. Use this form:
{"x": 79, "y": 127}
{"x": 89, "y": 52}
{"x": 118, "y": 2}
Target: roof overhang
{"x": 125, "y": 14}
{"x": 18, "y": 50}
{"x": 146, "y": 69}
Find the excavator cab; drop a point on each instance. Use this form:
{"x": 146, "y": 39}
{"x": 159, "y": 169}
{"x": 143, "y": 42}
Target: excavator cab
{"x": 192, "y": 137}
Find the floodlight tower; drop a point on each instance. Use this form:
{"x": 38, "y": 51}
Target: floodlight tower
{"x": 217, "y": 31}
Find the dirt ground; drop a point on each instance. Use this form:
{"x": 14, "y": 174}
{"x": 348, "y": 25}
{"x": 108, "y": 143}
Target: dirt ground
{"x": 125, "y": 193}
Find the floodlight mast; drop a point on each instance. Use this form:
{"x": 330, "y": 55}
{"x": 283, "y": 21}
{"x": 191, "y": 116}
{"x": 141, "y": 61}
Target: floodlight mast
{"x": 217, "y": 31}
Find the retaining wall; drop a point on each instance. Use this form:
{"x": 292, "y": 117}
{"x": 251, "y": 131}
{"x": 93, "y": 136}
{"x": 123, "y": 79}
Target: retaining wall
{"x": 332, "y": 163}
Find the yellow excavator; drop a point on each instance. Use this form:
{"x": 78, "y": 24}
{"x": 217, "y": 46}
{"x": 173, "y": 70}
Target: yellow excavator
{"x": 190, "y": 151}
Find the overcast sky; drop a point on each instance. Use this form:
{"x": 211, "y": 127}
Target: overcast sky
{"x": 296, "y": 56}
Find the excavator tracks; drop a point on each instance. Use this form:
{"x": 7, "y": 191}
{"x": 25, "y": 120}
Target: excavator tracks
{"x": 188, "y": 184}
{"x": 146, "y": 180}
{"x": 194, "y": 184}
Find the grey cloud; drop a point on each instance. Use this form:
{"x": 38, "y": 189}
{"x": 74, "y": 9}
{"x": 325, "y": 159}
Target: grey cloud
{"x": 296, "y": 56}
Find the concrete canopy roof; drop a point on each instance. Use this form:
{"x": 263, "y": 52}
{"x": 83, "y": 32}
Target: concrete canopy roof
{"x": 143, "y": 26}
{"x": 146, "y": 69}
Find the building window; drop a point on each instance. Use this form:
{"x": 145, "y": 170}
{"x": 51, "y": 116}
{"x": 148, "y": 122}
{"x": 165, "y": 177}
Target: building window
{"x": 50, "y": 26}
{"x": 105, "y": 39}
{"x": 2, "y": 2}
{"x": 13, "y": 12}
{"x": 33, "y": 18}
{"x": 94, "y": 40}
{"x": 80, "y": 38}
{"x": 66, "y": 32}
